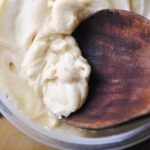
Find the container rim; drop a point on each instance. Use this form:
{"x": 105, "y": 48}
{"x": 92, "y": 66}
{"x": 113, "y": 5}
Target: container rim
{"x": 9, "y": 111}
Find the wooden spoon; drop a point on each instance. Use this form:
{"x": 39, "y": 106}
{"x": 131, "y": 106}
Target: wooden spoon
{"x": 117, "y": 45}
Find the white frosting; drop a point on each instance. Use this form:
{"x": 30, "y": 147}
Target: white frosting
{"x": 53, "y": 64}
{"x": 41, "y": 66}
{"x": 58, "y": 73}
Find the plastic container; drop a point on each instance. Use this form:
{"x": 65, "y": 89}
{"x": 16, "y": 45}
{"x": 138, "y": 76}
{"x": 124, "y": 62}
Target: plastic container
{"x": 115, "y": 138}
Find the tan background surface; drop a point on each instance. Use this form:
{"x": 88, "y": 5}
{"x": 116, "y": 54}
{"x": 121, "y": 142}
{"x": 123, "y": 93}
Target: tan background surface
{"x": 13, "y": 139}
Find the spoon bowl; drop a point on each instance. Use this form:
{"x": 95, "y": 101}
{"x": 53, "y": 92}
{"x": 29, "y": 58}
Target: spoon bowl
{"x": 117, "y": 45}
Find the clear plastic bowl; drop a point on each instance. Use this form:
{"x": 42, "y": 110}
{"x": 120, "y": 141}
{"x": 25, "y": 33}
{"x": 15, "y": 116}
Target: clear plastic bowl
{"x": 114, "y": 138}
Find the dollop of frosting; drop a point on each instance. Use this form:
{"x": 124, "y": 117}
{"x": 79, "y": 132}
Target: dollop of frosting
{"x": 53, "y": 64}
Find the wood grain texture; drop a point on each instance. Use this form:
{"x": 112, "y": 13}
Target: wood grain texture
{"x": 117, "y": 46}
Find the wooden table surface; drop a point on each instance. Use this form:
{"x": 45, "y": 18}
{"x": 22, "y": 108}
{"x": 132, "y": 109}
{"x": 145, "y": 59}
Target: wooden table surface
{"x": 13, "y": 139}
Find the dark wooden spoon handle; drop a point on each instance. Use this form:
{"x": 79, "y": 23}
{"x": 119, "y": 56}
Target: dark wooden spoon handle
{"x": 117, "y": 45}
